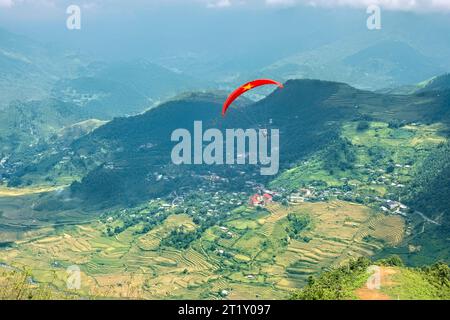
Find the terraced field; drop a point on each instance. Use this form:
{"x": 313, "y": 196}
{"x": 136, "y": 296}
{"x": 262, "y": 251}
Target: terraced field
{"x": 259, "y": 260}
{"x": 336, "y": 237}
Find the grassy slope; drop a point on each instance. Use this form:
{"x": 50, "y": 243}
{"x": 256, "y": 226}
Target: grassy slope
{"x": 397, "y": 283}
{"x": 412, "y": 284}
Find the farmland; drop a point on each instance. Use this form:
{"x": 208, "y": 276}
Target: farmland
{"x": 259, "y": 259}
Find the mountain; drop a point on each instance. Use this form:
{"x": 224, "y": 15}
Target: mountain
{"x": 78, "y": 130}
{"x": 28, "y": 69}
{"x": 25, "y": 124}
{"x": 37, "y": 74}
{"x": 439, "y": 83}
{"x": 397, "y": 61}
{"x": 114, "y": 89}
{"x": 366, "y": 63}
{"x": 429, "y": 188}
{"x": 436, "y": 84}
{"x": 427, "y": 193}
{"x": 149, "y": 78}
{"x": 45, "y": 90}
{"x": 121, "y": 160}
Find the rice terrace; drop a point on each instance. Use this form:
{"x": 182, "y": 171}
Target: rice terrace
{"x": 128, "y": 265}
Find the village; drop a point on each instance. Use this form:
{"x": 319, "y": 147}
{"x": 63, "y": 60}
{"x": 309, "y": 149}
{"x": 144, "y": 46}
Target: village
{"x": 210, "y": 203}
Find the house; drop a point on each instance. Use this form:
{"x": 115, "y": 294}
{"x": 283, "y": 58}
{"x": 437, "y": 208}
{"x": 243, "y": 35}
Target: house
{"x": 258, "y": 200}
{"x": 272, "y": 193}
{"x": 401, "y": 213}
{"x": 267, "y": 198}
{"x": 392, "y": 204}
{"x": 305, "y": 193}
{"x": 296, "y": 198}
{"x": 255, "y": 200}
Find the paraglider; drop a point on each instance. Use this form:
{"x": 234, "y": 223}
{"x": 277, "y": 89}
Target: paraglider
{"x": 246, "y": 87}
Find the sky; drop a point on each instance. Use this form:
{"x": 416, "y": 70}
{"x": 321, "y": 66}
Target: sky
{"x": 213, "y": 39}
{"x": 159, "y": 29}
{"x": 46, "y": 7}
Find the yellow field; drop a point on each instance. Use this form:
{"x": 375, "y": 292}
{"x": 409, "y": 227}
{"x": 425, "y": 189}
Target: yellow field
{"x": 262, "y": 262}
{"x": 17, "y": 192}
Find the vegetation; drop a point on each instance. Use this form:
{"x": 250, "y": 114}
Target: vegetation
{"x": 391, "y": 261}
{"x": 297, "y": 224}
{"x": 248, "y": 252}
{"x": 423, "y": 283}
{"x": 17, "y": 285}
{"x": 180, "y": 238}
{"x": 339, "y": 155}
{"x": 138, "y": 225}
{"x": 363, "y": 126}
{"x": 428, "y": 191}
{"x": 338, "y": 284}
{"x": 430, "y": 282}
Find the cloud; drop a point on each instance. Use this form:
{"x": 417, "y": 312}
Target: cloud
{"x": 281, "y": 3}
{"x": 219, "y": 4}
{"x": 27, "y": 3}
{"x": 6, "y": 3}
{"x": 398, "y": 5}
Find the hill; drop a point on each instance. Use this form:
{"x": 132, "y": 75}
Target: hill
{"x": 25, "y": 124}
{"x": 120, "y": 158}
{"x": 430, "y": 186}
{"x": 427, "y": 194}
{"x": 308, "y": 113}
{"x": 366, "y": 62}
{"x": 396, "y": 282}
{"x": 29, "y": 69}
{"x": 203, "y": 246}
{"x": 108, "y": 90}
{"x": 395, "y": 60}
{"x": 439, "y": 83}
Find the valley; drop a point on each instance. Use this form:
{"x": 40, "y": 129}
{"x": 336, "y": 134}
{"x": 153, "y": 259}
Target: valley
{"x": 204, "y": 243}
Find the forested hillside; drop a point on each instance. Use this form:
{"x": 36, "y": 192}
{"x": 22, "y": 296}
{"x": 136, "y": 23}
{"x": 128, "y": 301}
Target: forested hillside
{"x": 430, "y": 189}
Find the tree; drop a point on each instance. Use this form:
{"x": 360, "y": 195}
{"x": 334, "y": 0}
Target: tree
{"x": 362, "y": 126}
{"x": 392, "y": 261}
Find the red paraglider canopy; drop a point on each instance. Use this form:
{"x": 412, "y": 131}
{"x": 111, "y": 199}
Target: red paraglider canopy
{"x": 246, "y": 87}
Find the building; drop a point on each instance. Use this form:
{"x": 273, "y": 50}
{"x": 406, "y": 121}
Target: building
{"x": 258, "y": 200}
{"x": 296, "y": 198}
